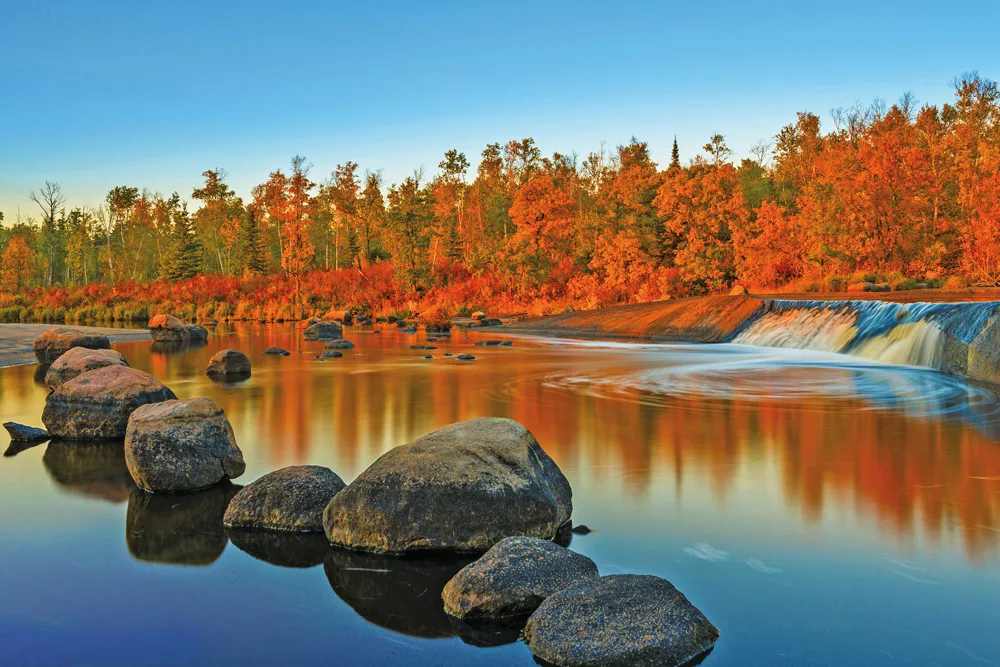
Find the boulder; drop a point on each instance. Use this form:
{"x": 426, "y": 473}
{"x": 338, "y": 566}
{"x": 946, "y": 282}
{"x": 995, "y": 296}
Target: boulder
{"x": 332, "y": 354}
{"x": 21, "y": 434}
{"x": 277, "y": 351}
{"x": 181, "y": 446}
{"x": 196, "y": 332}
{"x": 513, "y": 578}
{"x": 97, "y": 404}
{"x": 168, "y": 329}
{"x": 78, "y": 361}
{"x": 55, "y": 342}
{"x": 339, "y": 345}
{"x": 624, "y": 620}
{"x": 324, "y": 331}
{"x": 739, "y": 290}
{"x": 290, "y": 499}
{"x": 478, "y": 315}
{"x": 462, "y": 488}
{"x": 465, "y": 357}
{"x": 228, "y": 363}
{"x": 492, "y": 322}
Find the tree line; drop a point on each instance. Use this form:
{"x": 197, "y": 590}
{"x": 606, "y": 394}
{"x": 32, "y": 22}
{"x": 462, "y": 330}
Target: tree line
{"x": 897, "y": 193}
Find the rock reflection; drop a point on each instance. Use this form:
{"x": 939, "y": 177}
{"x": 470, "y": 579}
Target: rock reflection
{"x": 92, "y": 469}
{"x": 172, "y": 347}
{"x": 178, "y": 529}
{"x": 297, "y": 550}
{"x": 39, "y": 377}
{"x": 398, "y": 594}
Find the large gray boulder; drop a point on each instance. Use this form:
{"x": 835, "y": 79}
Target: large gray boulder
{"x": 290, "y": 499}
{"x": 97, "y": 404}
{"x": 78, "y": 361}
{"x": 181, "y": 446}
{"x": 513, "y": 578}
{"x": 228, "y": 363}
{"x": 624, "y": 620}
{"x": 196, "y": 332}
{"x": 462, "y": 488}
{"x": 168, "y": 329}
{"x": 55, "y": 342}
{"x": 324, "y": 330}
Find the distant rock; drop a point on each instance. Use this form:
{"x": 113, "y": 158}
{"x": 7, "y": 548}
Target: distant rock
{"x": 478, "y": 316}
{"x": 491, "y": 343}
{"x": 324, "y": 330}
{"x": 491, "y": 322}
{"x": 305, "y": 324}
{"x": 197, "y": 332}
{"x": 96, "y": 405}
{"x": 181, "y": 446}
{"x": 339, "y": 345}
{"x": 168, "y": 329}
{"x": 52, "y": 344}
{"x": 333, "y": 354}
{"x": 467, "y": 486}
{"x": 290, "y": 499}
{"x": 513, "y": 578}
{"x": 277, "y": 351}
{"x": 228, "y": 363}
{"x": 465, "y": 357}
{"x": 623, "y": 620}
{"x": 739, "y": 290}
{"x": 428, "y": 356}
{"x": 343, "y": 316}
{"x": 78, "y": 361}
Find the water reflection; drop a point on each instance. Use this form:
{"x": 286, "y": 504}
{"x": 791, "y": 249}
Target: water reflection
{"x": 178, "y": 529}
{"x": 295, "y": 550}
{"x": 91, "y": 469}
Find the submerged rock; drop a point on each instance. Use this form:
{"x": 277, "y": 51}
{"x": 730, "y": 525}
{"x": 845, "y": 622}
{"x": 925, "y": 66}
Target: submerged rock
{"x": 228, "y": 363}
{"x": 168, "y": 329}
{"x": 461, "y": 488}
{"x": 277, "y": 351}
{"x": 339, "y": 345}
{"x": 465, "y": 357}
{"x": 296, "y": 550}
{"x": 513, "y": 578}
{"x": 181, "y": 446}
{"x": 55, "y": 342}
{"x": 178, "y": 530}
{"x": 399, "y": 594}
{"x": 78, "y": 361}
{"x": 333, "y": 354}
{"x": 623, "y": 620}
{"x": 90, "y": 469}
{"x": 324, "y": 331}
{"x": 96, "y": 405}
{"x": 289, "y": 499}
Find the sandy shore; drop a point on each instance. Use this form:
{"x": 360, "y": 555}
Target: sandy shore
{"x": 16, "y": 340}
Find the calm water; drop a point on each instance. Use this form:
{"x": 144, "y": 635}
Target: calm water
{"x": 820, "y": 512}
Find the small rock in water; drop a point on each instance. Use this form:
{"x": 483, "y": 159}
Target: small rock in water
{"x": 624, "y": 620}
{"x": 489, "y": 343}
{"x": 513, "y": 578}
{"x": 332, "y": 354}
{"x": 181, "y": 446}
{"x": 324, "y": 331}
{"x": 289, "y": 499}
{"x": 339, "y": 345}
{"x": 21, "y": 434}
{"x": 410, "y": 330}
{"x": 277, "y": 351}
{"x": 228, "y": 363}
{"x": 168, "y": 329}
{"x": 465, "y": 357}
{"x": 197, "y": 332}
{"x": 448, "y": 354}
{"x": 432, "y": 339}
{"x": 428, "y": 356}
{"x": 582, "y": 529}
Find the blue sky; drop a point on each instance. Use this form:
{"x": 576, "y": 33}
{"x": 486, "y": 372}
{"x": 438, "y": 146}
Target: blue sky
{"x": 96, "y": 94}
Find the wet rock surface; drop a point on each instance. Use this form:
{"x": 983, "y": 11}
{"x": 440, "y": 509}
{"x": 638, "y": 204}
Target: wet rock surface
{"x": 181, "y": 446}
{"x": 339, "y": 345}
{"x": 24, "y": 435}
{"x": 168, "y": 329}
{"x": 324, "y": 331}
{"x": 622, "y": 620}
{"x": 461, "y": 488}
{"x": 277, "y": 352}
{"x": 513, "y": 578}
{"x": 54, "y": 343}
{"x": 178, "y": 530}
{"x": 97, "y": 404}
{"x": 465, "y": 357}
{"x": 196, "y": 332}
{"x": 290, "y": 499}
{"x": 229, "y": 363}
{"x": 79, "y": 360}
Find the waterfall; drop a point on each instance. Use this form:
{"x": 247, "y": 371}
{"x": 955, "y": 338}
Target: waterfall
{"x": 914, "y": 334}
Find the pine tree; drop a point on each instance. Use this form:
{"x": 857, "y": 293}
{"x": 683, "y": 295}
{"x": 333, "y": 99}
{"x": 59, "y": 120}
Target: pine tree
{"x": 252, "y": 258}
{"x": 675, "y": 156}
{"x": 185, "y": 256}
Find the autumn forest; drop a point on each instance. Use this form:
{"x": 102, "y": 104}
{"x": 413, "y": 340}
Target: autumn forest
{"x": 904, "y": 194}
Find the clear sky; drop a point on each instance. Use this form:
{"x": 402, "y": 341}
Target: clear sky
{"x": 100, "y": 93}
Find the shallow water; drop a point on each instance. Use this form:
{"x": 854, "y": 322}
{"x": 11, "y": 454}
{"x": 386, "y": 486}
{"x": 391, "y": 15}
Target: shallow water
{"x": 820, "y": 509}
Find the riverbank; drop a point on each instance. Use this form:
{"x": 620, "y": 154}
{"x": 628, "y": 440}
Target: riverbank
{"x": 16, "y": 340}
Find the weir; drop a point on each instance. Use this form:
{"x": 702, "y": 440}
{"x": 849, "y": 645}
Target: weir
{"x": 955, "y": 338}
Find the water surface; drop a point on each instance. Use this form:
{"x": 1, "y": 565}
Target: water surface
{"x": 820, "y": 509}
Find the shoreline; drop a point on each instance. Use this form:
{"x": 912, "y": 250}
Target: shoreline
{"x": 16, "y": 339}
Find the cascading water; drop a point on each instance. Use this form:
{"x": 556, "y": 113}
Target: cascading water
{"x": 914, "y": 334}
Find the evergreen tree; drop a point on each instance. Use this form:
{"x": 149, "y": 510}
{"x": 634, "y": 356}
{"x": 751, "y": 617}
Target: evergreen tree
{"x": 252, "y": 257}
{"x": 675, "y": 156}
{"x": 184, "y": 260}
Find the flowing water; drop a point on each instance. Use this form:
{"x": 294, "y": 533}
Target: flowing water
{"x": 821, "y": 509}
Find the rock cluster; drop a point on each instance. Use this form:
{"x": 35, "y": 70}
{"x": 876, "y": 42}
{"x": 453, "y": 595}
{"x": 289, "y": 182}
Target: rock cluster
{"x": 324, "y": 330}
{"x": 56, "y": 342}
{"x": 169, "y": 329}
